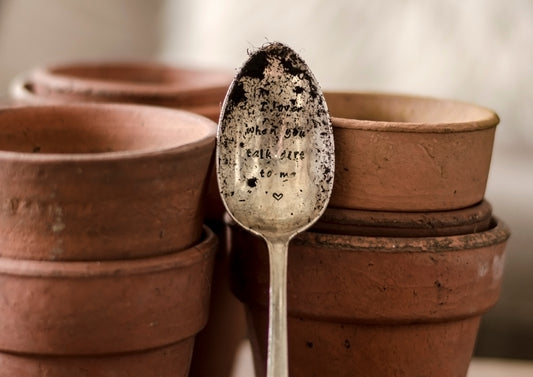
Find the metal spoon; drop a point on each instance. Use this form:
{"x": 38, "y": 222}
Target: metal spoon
{"x": 275, "y": 166}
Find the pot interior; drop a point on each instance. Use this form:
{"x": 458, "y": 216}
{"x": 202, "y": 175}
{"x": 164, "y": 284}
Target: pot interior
{"x": 403, "y": 109}
{"x": 90, "y": 129}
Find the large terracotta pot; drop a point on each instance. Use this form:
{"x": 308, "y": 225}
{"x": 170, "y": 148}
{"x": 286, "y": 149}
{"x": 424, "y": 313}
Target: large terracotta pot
{"x": 88, "y": 182}
{"x": 404, "y": 153}
{"x": 375, "y": 306}
{"x": 111, "y": 318}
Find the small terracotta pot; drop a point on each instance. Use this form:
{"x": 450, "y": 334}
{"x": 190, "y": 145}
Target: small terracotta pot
{"x": 152, "y": 83}
{"x": 375, "y": 306}
{"x": 403, "y": 153}
{"x": 100, "y": 182}
{"x": 405, "y": 224}
{"x": 102, "y": 309}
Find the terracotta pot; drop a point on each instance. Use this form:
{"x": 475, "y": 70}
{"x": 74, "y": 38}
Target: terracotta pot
{"x": 88, "y": 182}
{"x": 403, "y": 153}
{"x": 198, "y": 91}
{"x": 405, "y": 224}
{"x": 376, "y": 306}
{"x": 102, "y": 309}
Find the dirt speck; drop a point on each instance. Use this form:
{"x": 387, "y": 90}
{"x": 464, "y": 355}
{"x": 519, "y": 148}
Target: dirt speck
{"x": 238, "y": 94}
{"x": 255, "y": 67}
{"x": 252, "y": 182}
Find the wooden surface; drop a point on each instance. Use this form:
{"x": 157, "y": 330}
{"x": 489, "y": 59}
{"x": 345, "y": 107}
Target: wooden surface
{"x": 480, "y": 367}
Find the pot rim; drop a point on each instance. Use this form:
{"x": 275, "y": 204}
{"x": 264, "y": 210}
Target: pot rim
{"x": 498, "y": 233}
{"x": 57, "y": 76}
{"x": 486, "y": 119}
{"x": 408, "y": 220}
{"x": 111, "y": 268}
{"x": 208, "y": 137}
{"x": 21, "y": 90}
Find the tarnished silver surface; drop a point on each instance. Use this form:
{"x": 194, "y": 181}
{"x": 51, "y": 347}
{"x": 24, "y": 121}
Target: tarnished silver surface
{"x": 275, "y": 165}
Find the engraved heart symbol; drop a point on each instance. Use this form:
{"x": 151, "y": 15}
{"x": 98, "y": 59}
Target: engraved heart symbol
{"x": 277, "y": 196}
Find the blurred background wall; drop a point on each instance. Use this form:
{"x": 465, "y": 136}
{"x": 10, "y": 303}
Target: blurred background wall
{"x": 35, "y": 32}
{"x": 479, "y": 51}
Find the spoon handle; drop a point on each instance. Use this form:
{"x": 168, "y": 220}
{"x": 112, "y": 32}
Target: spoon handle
{"x": 277, "y": 357}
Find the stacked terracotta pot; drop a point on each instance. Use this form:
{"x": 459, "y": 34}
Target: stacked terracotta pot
{"x": 196, "y": 90}
{"x": 105, "y": 267}
{"x": 394, "y": 278}
{"x": 150, "y": 83}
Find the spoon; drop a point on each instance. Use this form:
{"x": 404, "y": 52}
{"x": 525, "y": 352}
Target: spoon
{"x": 275, "y": 166}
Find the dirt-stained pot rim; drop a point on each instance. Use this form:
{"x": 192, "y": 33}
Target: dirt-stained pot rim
{"x": 498, "y": 233}
{"x": 111, "y": 268}
{"x": 192, "y": 120}
{"x": 64, "y": 77}
{"x": 478, "y": 118}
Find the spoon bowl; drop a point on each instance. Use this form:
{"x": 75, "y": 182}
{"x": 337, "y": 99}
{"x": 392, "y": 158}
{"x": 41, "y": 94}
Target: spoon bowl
{"x": 275, "y": 152}
{"x": 275, "y": 165}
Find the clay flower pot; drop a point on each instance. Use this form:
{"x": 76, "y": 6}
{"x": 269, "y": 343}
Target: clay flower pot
{"x": 375, "y": 306}
{"x": 405, "y": 224}
{"x": 404, "y": 153}
{"x": 152, "y": 83}
{"x": 104, "y": 318}
{"x": 101, "y": 182}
